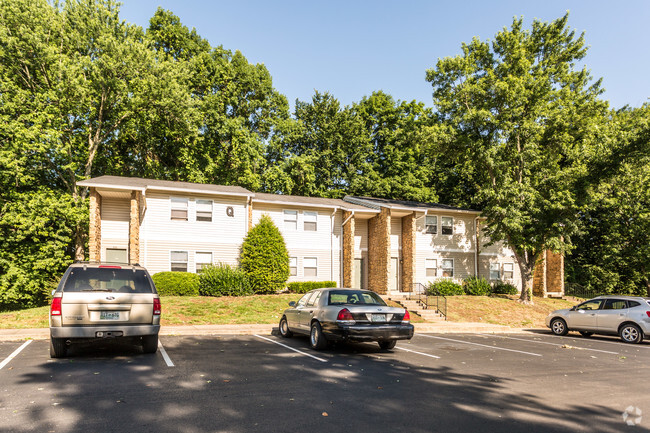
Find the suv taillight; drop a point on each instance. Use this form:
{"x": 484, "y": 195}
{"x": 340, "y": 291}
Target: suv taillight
{"x": 157, "y": 308}
{"x": 345, "y": 317}
{"x": 55, "y": 308}
{"x": 407, "y": 317}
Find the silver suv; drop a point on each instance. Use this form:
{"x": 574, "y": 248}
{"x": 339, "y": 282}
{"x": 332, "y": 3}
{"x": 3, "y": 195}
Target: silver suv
{"x": 625, "y": 316}
{"x": 97, "y": 301}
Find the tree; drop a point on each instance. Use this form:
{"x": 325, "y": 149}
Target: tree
{"x": 523, "y": 121}
{"x": 264, "y": 257}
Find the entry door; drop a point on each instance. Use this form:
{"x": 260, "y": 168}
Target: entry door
{"x": 116, "y": 255}
{"x": 393, "y": 277}
{"x": 357, "y": 274}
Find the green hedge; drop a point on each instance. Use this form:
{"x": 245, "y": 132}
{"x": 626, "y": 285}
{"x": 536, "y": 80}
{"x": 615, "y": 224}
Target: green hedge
{"x": 475, "y": 286}
{"x": 176, "y": 283}
{"x": 306, "y": 286}
{"x": 502, "y": 288}
{"x": 223, "y": 280}
{"x": 445, "y": 287}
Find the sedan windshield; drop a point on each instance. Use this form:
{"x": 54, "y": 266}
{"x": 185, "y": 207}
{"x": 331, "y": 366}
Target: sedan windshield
{"x": 345, "y": 297}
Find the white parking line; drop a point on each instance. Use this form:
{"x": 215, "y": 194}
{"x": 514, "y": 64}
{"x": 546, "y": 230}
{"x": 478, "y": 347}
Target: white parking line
{"x": 14, "y": 354}
{"x": 544, "y": 342}
{"x": 291, "y": 348}
{"x": 483, "y": 345}
{"x": 419, "y": 353}
{"x": 600, "y": 340}
{"x": 166, "y": 357}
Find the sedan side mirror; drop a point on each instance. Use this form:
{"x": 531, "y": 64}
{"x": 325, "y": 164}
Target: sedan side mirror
{"x": 292, "y": 304}
{"x": 573, "y": 308}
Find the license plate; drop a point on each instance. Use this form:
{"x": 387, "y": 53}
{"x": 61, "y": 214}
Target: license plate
{"x": 109, "y": 315}
{"x": 378, "y": 318}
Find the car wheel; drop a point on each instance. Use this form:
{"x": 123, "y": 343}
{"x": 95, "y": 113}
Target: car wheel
{"x": 586, "y": 333}
{"x": 284, "y": 328}
{"x": 558, "y": 326}
{"x": 58, "y": 349}
{"x": 630, "y": 333}
{"x": 150, "y": 343}
{"x": 387, "y": 345}
{"x": 317, "y": 340}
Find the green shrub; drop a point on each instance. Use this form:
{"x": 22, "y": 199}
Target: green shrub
{"x": 176, "y": 283}
{"x": 306, "y": 286}
{"x": 264, "y": 257}
{"x": 476, "y": 286}
{"x": 223, "y": 280}
{"x": 445, "y": 287}
{"x": 503, "y": 288}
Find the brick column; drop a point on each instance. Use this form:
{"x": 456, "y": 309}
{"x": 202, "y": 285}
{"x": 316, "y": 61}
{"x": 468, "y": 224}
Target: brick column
{"x": 348, "y": 248}
{"x": 408, "y": 253}
{"x": 379, "y": 252}
{"x": 539, "y": 277}
{"x": 554, "y": 272}
{"x": 134, "y": 228}
{"x": 95, "y": 228}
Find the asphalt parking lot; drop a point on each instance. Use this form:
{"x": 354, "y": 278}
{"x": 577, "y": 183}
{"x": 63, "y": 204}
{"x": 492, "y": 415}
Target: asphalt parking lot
{"x": 435, "y": 382}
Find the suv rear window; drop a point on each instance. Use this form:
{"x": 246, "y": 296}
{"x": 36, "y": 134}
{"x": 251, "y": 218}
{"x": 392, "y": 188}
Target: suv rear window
{"x": 107, "y": 280}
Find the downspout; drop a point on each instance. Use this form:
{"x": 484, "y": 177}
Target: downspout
{"x": 332, "y": 243}
{"x": 341, "y": 249}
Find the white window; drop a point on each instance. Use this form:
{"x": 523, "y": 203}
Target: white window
{"x": 508, "y": 271}
{"x": 310, "y": 221}
{"x": 447, "y": 226}
{"x": 204, "y": 210}
{"x": 291, "y": 219}
{"x": 448, "y": 268}
{"x": 310, "y": 266}
{"x": 293, "y": 266}
{"x": 179, "y": 209}
{"x": 495, "y": 271}
{"x": 178, "y": 261}
{"x": 431, "y": 224}
{"x": 202, "y": 260}
{"x": 431, "y": 266}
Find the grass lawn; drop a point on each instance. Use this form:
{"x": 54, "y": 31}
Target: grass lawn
{"x": 190, "y": 310}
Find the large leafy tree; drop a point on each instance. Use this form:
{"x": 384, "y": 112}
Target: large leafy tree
{"x": 524, "y": 118}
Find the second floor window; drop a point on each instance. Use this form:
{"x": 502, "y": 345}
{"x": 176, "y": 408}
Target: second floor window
{"x": 179, "y": 209}
{"x": 431, "y": 223}
{"x": 204, "y": 210}
{"x": 447, "y": 226}
{"x": 310, "y": 221}
{"x": 291, "y": 219}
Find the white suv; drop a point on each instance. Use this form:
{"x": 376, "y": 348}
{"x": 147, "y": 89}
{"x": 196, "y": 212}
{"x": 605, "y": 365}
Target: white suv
{"x": 97, "y": 301}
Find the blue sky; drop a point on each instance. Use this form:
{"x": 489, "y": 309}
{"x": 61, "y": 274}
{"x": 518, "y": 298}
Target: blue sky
{"x": 352, "y": 48}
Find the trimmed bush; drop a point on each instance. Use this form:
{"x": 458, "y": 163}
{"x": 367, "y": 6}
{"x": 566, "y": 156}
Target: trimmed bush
{"x": 176, "y": 283}
{"x": 264, "y": 257}
{"x": 477, "y": 286}
{"x": 223, "y": 280}
{"x": 445, "y": 287}
{"x": 306, "y": 286}
{"x": 503, "y": 288}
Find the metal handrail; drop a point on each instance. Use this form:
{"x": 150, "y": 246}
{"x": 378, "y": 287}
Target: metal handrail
{"x": 429, "y": 298}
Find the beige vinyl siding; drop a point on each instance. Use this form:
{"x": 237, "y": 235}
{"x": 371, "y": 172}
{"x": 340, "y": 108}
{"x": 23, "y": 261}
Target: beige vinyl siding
{"x": 463, "y": 265}
{"x": 395, "y": 236}
{"x": 158, "y": 257}
{"x": 360, "y": 237}
{"x": 484, "y": 267}
{"x": 463, "y": 239}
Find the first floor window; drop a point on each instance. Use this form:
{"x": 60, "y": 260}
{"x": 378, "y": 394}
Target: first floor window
{"x": 178, "y": 261}
{"x": 431, "y": 266}
{"x": 310, "y": 265}
{"x": 204, "y": 210}
{"x": 179, "y": 209}
{"x": 448, "y": 268}
{"x": 447, "y": 226}
{"x": 202, "y": 260}
{"x": 291, "y": 219}
{"x": 431, "y": 223}
{"x": 311, "y": 221}
{"x": 495, "y": 271}
{"x": 293, "y": 266}
{"x": 508, "y": 271}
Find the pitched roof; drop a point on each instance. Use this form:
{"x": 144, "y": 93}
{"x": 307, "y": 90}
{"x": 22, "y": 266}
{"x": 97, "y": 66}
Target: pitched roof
{"x": 313, "y": 201}
{"x": 140, "y": 183}
{"x": 403, "y": 204}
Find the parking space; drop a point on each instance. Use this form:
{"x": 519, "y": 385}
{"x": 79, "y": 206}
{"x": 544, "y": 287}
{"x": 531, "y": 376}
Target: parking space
{"x": 455, "y": 382}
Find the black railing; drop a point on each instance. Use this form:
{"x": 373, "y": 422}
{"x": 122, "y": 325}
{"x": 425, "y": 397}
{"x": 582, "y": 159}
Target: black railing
{"x": 578, "y": 291}
{"x": 429, "y": 298}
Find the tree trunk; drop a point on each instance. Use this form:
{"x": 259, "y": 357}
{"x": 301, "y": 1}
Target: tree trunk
{"x": 526, "y": 261}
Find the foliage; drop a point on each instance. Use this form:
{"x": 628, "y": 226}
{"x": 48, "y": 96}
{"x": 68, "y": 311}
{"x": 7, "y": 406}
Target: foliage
{"x": 524, "y": 122}
{"x": 176, "y": 283}
{"x": 476, "y": 286}
{"x": 223, "y": 279}
{"x": 264, "y": 257}
{"x": 446, "y": 287}
{"x": 503, "y": 288}
{"x": 306, "y": 286}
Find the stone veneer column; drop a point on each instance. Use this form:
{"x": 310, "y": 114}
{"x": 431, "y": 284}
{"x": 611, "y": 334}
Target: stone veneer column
{"x": 134, "y": 228}
{"x": 379, "y": 251}
{"x": 95, "y": 228}
{"x": 348, "y": 248}
{"x": 408, "y": 253}
{"x": 554, "y": 273}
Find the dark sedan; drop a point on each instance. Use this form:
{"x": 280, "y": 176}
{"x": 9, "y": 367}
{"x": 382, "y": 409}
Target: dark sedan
{"x": 331, "y": 315}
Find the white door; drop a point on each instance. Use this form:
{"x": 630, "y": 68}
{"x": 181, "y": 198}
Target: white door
{"x": 393, "y": 277}
{"x": 357, "y": 274}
